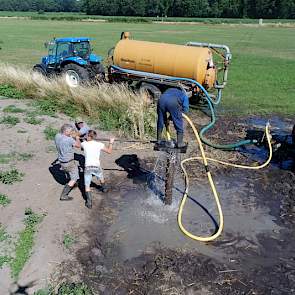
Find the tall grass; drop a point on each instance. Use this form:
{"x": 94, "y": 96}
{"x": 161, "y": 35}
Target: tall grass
{"x": 112, "y": 106}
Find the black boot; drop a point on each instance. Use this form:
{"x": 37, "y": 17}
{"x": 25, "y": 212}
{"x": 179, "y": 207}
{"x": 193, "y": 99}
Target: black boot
{"x": 180, "y": 143}
{"x": 88, "y": 202}
{"x": 64, "y": 195}
{"x": 103, "y": 188}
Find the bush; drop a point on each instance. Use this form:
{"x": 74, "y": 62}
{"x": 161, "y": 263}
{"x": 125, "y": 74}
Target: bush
{"x": 10, "y": 120}
{"x": 11, "y": 176}
{"x": 50, "y": 132}
{"x": 4, "y": 200}
{"x": 10, "y": 91}
{"x": 33, "y": 120}
{"x": 74, "y": 289}
{"x": 13, "y": 109}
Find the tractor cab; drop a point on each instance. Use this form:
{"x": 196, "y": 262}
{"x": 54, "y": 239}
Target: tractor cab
{"x": 74, "y": 58}
{"x": 65, "y": 48}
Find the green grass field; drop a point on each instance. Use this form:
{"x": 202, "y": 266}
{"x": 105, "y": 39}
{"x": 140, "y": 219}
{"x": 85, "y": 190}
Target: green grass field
{"x": 70, "y": 16}
{"x": 262, "y": 73}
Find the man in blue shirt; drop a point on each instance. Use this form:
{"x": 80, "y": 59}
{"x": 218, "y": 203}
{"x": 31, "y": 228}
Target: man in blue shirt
{"x": 175, "y": 102}
{"x": 81, "y": 128}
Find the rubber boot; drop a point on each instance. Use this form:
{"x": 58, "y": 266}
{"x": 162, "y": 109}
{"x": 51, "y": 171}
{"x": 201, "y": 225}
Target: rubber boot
{"x": 88, "y": 202}
{"x": 180, "y": 143}
{"x": 64, "y": 195}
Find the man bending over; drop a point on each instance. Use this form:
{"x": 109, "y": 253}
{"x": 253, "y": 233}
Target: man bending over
{"x": 173, "y": 101}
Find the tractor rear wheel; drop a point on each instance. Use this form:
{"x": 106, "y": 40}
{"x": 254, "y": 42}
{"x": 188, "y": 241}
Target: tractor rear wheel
{"x": 99, "y": 72}
{"x": 75, "y": 75}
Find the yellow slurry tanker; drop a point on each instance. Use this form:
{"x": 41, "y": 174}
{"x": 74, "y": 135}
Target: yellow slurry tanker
{"x": 156, "y": 66}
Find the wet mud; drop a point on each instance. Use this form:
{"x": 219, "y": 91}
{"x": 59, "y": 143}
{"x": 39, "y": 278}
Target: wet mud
{"x": 136, "y": 247}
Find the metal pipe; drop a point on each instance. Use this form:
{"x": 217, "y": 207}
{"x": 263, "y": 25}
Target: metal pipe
{"x": 228, "y": 54}
{"x": 159, "y": 77}
{"x": 228, "y": 57}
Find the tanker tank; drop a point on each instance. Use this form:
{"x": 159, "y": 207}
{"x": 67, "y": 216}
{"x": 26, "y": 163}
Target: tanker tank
{"x": 166, "y": 59}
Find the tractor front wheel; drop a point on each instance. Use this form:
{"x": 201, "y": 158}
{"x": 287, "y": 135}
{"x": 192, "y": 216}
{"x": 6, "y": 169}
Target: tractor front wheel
{"x": 75, "y": 75}
{"x": 40, "y": 70}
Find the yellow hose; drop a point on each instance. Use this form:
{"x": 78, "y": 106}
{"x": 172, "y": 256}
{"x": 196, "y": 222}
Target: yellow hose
{"x": 211, "y": 182}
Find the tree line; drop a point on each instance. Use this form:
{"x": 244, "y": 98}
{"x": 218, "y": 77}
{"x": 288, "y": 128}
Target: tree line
{"x": 173, "y": 8}
{"x": 41, "y": 5}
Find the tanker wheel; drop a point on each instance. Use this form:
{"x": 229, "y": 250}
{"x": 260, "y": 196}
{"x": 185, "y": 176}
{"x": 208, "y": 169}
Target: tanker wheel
{"x": 75, "y": 75}
{"x": 99, "y": 72}
{"x": 153, "y": 91}
{"x": 169, "y": 180}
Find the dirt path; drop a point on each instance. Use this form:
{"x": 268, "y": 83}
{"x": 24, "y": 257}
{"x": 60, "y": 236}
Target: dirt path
{"x": 40, "y": 192}
{"x": 129, "y": 243}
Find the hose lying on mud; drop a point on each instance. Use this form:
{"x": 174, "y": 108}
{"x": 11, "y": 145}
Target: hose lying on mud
{"x": 211, "y": 182}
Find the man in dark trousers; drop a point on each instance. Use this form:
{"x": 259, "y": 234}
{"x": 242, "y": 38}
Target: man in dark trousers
{"x": 175, "y": 102}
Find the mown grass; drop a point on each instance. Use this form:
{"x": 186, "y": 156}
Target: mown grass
{"x": 25, "y": 242}
{"x": 261, "y": 75}
{"x": 4, "y": 201}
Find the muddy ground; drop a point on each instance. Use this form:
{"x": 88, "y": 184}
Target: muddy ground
{"x": 130, "y": 243}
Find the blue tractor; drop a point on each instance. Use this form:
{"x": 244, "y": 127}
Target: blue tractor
{"x": 72, "y": 57}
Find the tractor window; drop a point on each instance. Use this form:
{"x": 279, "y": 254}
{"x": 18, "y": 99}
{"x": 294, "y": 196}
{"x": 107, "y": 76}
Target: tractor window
{"x": 51, "y": 48}
{"x": 82, "y": 49}
{"x": 63, "y": 50}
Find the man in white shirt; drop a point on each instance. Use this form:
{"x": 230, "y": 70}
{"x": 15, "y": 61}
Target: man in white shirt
{"x": 92, "y": 150}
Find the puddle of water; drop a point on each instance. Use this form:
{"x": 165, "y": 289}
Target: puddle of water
{"x": 284, "y": 148}
{"x": 144, "y": 221}
{"x": 277, "y": 123}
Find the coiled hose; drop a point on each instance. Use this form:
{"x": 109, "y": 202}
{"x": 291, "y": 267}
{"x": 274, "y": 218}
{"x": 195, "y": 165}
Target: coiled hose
{"x": 211, "y": 182}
